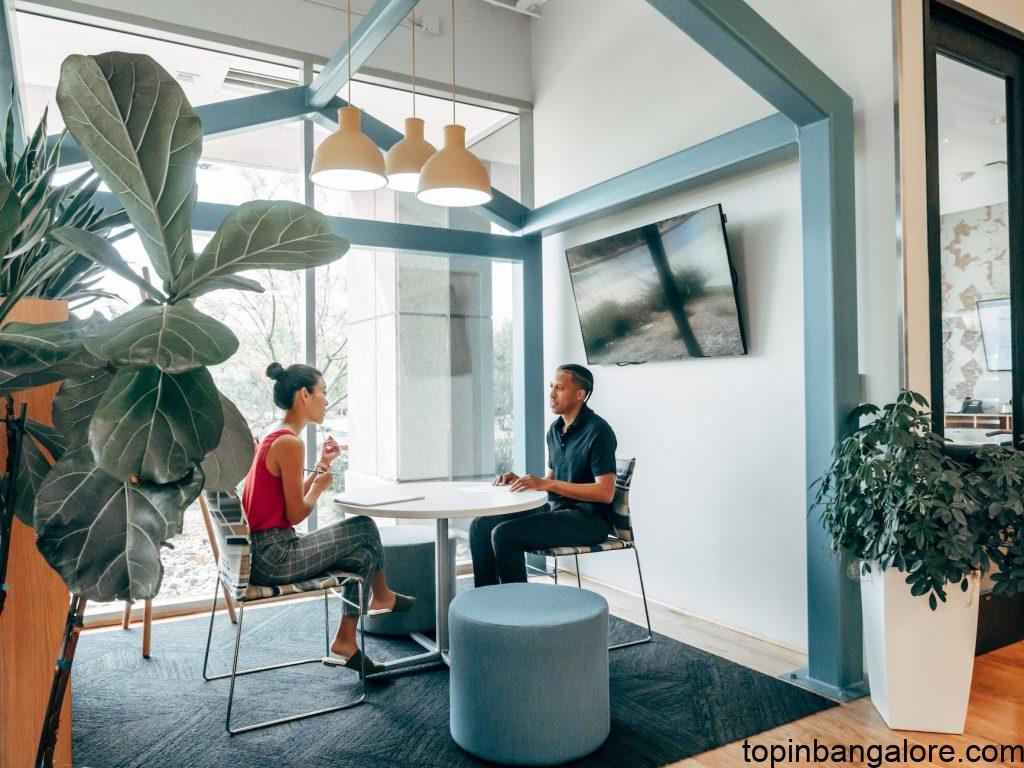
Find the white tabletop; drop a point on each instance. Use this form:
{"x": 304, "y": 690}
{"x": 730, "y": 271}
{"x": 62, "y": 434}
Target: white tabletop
{"x": 448, "y": 499}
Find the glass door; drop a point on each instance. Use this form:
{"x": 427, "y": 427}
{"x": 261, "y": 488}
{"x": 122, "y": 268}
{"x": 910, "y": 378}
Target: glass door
{"x": 973, "y": 112}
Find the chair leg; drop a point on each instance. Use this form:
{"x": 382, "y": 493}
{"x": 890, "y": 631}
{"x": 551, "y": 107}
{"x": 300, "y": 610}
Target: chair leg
{"x": 229, "y": 599}
{"x": 209, "y": 634}
{"x": 579, "y": 583}
{"x": 647, "y": 614}
{"x": 126, "y": 620}
{"x": 147, "y": 628}
{"x": 556, "y": 569}
{"x": 327, "y": 624}
{"x": 236, "y": 673}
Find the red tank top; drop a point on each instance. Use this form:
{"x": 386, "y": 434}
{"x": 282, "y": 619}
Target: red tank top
{"x": 263, "y": 494}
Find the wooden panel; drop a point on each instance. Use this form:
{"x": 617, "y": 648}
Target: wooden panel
{"x": 37, "y": 605}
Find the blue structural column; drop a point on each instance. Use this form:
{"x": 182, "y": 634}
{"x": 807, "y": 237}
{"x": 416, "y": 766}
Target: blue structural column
{"x": 528, "y": 395}
{"x": 831, "y": 385}
{"x": 732, "y": 32}
{"x": 10, "y": 85}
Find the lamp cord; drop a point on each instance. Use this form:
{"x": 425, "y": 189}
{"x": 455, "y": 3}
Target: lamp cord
{"x": 453, "y": 62}
{"x": 349, "y": 57}
{"x": 414, "y": 63}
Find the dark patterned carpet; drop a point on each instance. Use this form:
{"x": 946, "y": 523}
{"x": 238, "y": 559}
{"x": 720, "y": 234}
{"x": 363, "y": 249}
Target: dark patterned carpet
{"x": 669, "y": 701}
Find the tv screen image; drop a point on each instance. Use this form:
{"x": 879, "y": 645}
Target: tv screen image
{"x": 663, "y": 291}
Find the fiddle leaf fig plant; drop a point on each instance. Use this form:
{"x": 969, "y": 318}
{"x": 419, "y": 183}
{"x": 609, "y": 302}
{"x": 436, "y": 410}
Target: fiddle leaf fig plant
{"x": 141, "y": 423}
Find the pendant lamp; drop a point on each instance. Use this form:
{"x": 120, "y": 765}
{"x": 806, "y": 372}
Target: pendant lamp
{"x": 348, "y": 159}
{"x": 454, "y": 177}
{"x": 405, "y": 159}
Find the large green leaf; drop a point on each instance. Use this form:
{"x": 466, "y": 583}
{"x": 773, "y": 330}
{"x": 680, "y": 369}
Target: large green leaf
{"x": 76, "y": 401}
{"x": 263, "y": 234}
{"x": 100, "y": 250}
{"x": 156, "y": 426}
{"x": 229, "y": 462}
{"x": 102, "y": 535}
{"x": 33, "y": 354}
{"x": 231, "y": 282}
{"x": 173, "y": 337}
{"x": 32, "y": 471}
{"x": 10, "y": 213}
{"x": 134, "y": 123}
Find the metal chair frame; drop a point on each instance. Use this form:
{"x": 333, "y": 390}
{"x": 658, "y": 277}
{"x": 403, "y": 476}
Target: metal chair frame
{"x": 235, "y": 672}
{"x": 643, "y": 592}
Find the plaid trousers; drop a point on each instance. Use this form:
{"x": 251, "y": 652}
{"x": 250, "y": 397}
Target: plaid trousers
{"x": 281, "y": 556}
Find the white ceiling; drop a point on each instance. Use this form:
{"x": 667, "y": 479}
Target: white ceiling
{"x": 44, "y": 42}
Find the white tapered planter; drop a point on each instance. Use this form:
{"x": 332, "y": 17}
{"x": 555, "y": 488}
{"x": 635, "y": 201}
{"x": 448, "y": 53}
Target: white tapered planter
{"x": 920, "y": 661}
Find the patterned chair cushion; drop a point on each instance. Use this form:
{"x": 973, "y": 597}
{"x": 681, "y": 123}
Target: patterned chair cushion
{"x": 604, "y": 546}
{"x": 326, "y": 580}
{"x": 232, "y": 533}
{"x": 622, "y": 538}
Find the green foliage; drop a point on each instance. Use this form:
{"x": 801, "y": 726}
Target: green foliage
{"x": 32, "y": 263}
{"x": 893, "y": 497}
{"x": 138, "y": 411}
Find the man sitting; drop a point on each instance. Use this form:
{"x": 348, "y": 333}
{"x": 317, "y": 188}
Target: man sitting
{"x": 580, "y": 483}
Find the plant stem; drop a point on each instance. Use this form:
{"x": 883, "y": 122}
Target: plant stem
{"x": 61, "y": 676}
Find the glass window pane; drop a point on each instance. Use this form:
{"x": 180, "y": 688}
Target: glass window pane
{"x": 207, "y": 76}
{"x": 973, "y": 191}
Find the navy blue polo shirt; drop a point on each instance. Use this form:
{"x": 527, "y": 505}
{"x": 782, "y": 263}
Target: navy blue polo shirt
{"x": 579, "y": 455}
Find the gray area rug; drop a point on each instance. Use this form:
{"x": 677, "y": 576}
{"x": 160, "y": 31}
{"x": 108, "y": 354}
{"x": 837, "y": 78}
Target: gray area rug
{"x": 669, "y": 701}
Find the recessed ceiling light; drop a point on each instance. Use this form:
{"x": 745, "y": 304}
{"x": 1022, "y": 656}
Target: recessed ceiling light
{"x": 945, "y": 140}
{"x": 999, "y": 120}
{"x": 964, "y": 175}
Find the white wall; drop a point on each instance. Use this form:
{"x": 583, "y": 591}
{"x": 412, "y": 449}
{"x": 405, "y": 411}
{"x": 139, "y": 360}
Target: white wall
{"x": 719, "y": 490}
{"x": 493, "y": 53}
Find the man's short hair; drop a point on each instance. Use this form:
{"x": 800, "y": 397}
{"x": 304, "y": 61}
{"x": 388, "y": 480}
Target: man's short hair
{"x": 581, "y": 377}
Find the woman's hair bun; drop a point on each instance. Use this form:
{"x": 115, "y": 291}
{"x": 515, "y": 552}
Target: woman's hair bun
{"x": 275, "y": 371}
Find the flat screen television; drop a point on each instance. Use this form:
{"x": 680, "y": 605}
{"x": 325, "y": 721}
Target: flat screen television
{"x": 994, "y": 316}
{"x": 663, "y": 291}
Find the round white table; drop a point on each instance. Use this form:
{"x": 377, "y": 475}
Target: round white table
{"x": 440, "y": 501}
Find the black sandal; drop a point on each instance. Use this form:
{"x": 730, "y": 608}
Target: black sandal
{"x": 402, "y": 604}
{"x": 355, "y": 662}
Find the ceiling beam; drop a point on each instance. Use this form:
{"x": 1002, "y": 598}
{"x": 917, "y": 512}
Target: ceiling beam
{"x": 755, "y": 145}
{"x": 366, "y": 233}
{"x": 732, "y": 32}
{"x": 380, "y": 21}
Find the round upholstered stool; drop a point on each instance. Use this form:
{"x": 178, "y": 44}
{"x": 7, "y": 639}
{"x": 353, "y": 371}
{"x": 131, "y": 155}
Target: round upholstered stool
{"x": 409, "y": 564}
{"x": 529, "y": 673}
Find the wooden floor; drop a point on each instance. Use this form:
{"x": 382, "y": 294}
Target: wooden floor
{"x": 995, "y": 714}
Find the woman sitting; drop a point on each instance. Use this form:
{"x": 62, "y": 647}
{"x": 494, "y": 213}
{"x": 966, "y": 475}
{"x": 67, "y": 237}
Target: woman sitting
{"x": 276, "y": 498}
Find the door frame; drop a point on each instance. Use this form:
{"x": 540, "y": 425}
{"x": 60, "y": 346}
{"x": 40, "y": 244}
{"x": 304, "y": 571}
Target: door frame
{"x": 967, "y": 36}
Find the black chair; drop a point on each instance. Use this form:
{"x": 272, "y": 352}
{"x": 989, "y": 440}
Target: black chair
{"x": 622, "y": 538}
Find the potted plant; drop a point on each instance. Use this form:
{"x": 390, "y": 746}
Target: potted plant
{"x": 912, "y": 515}
{"x": 140, "y": 425}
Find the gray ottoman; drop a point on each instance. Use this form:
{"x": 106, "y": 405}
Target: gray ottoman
{"x": 409, "y": 564}
{"x": 529, "y": 673}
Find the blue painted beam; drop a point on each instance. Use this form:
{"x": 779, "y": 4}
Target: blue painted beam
{"x": 732, "y": 32}
{"x": 226, "y": 118}
{"x": 10, "y": 82}
{"x": 531, "y": 431}
{"x": 742, "y": 150}
{"x": 380, "y": 21}
{"x": 365, "y": 233}
{"x": 502, "y": 209}
{"x": 831, "y": 385}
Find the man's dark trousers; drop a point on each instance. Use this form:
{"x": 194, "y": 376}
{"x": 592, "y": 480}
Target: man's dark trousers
{"x": 499, "y": 543}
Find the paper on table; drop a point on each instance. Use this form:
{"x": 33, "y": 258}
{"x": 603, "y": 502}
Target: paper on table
{"x": 486, "y": 488}
{"x": 374, "y": 497}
